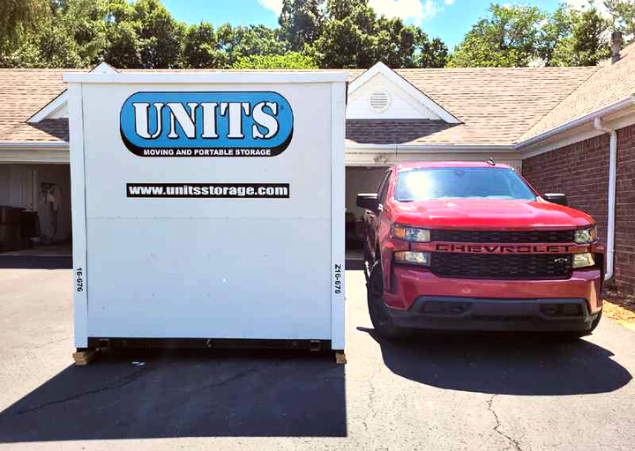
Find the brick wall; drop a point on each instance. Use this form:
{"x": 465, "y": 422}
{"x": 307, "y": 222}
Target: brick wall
{"x": 581, "y": 172}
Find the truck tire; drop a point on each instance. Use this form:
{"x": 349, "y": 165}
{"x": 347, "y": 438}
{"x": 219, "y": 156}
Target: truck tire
{"x": 379, "y": 316}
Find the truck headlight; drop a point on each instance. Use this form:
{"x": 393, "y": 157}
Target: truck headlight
{"x": 413, "y": 258}
{"x": 585, "y": 236}
{"x": 583, "y": 260}
{"x": 411, "y": 233}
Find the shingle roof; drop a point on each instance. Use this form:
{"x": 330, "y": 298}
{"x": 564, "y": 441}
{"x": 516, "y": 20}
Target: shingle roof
{"x": 497, "y": 106}
{"x": 608, "y": 85}
{"x": 23, "y": 92}
{"x": 393, "y": 131}
{"x": 47, "y": 130}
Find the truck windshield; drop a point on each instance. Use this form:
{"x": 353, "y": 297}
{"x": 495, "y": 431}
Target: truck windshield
{"x": 461, "y": 183}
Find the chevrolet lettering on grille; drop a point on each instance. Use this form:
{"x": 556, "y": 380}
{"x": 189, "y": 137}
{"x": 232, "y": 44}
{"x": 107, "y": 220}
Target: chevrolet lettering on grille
{"x": 504, "y": 248}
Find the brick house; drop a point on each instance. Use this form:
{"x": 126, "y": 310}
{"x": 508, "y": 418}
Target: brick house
{"x": 555, "y": 125}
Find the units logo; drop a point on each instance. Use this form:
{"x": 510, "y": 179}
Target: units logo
{"x": 206, "y": 124}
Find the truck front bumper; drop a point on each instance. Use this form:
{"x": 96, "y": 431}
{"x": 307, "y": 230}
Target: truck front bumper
{"x": 422, "y": 300}
{"x": 447, "y": 313}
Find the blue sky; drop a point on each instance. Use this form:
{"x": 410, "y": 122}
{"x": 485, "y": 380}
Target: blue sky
{"x": 447, "y": 19}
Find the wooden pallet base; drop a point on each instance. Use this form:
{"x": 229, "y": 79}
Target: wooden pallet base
{"x": 340, "y": 357}
{"x": 84, "y": 356}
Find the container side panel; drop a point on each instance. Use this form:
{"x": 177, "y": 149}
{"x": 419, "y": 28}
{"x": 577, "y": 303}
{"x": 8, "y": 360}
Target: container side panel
{"x": 80, "y": 278}
{"x": 244, "y": 278}
{"x": 210, "y": 267}
{"x": 338, "y": 211}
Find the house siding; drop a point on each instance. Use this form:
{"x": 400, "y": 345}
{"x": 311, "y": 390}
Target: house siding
{"x": 581, "y": 171}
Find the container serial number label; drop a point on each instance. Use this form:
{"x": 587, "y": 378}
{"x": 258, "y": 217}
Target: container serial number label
{"x": 337, "y": 279}
{"x": 80, "y": 280}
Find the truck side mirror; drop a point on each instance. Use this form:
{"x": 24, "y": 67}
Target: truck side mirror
{"x": 369, "y": 201}
{"x": 556, "y": 198}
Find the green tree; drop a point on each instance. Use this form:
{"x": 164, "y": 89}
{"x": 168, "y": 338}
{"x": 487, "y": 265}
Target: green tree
{"x": 344, "y": 44}
{"x": 84, "y": 22}
{"x": 240, "y": 41}
{"x": 623, "y": 15}
{"x": 301, "y": 22}
{"x": 143, "y": 34}
{"x": 586, "y": 45}
{"x": 74, "y": 35}
{"x": 124, "y": 46}
{"x": 355, "y": 37}
{"x": 160, "y": 34}
{"x": 508, "y": 37}
{"x": 19, "y": 16}
{"x": 430, "y": 53}
{"x": 293, "y": 60}
{"x": 201, "y": 48}
{"x": 559, "y": 26}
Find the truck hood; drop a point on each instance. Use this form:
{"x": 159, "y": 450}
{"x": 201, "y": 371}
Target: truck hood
{"x": 489, "y": 214}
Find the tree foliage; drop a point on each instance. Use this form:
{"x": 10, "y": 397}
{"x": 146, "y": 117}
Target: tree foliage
{"x": 301, "y": 22}
{"x": 322, "y": 33}
{"x": 587, "y": 43}
{"x": 509, "y": 37}
{"x": 623, "y": 17}
{"x": 522, "y": 35}
{"x": 293, "y": 60}
{"x": 19, "y": 16}
{"x": 353, "y": 36}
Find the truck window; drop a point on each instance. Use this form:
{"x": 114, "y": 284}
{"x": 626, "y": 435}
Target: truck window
{"x": 461, "y": 183}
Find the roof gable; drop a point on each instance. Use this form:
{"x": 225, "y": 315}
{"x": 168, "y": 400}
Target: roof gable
{"x": 379, "y": 93}
{"x": 58, "y": 107}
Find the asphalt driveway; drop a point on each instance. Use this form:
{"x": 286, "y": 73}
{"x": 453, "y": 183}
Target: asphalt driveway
{"x": 437, "y": 392}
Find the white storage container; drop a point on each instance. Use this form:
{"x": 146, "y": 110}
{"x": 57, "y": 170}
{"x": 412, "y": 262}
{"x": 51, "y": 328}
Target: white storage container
{"x": 208, "y": 205}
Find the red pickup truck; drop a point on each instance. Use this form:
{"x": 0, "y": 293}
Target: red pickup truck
{"x": 472, "y": 246}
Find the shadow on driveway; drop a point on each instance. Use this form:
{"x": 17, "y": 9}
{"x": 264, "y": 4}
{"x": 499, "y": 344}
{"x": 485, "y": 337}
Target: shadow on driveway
{"x": 185, "y": 394}
{"x": 498, "y": 363}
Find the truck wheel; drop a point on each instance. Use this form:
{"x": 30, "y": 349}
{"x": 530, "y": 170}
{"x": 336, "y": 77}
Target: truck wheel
{"x": 382, "y": 322}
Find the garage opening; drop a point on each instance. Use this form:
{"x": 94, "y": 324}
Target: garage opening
{"x": 35, "y": 210}
{"x": 358, "y": 180}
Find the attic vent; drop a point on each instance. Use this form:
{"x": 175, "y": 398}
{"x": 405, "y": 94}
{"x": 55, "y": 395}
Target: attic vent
{"x": 379, "y": 101}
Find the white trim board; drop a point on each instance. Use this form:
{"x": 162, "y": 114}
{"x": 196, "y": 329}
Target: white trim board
{"x": 35, "y": 156}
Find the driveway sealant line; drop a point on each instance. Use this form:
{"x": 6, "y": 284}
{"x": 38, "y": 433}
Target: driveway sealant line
{"x": 247, "y": 372}
{"x": 131, "y": 378}
{"x": 497, "y": 429}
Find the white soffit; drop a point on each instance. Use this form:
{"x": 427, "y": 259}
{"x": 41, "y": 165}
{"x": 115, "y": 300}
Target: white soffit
{"x": 380, "y": 93}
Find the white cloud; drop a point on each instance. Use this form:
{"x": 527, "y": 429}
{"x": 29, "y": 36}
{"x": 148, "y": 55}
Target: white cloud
{"x": 418, "y": 10}
{"x": 449, "y": 2}
{"x": 273, "y": 5}
{"x": 585, "y": 4}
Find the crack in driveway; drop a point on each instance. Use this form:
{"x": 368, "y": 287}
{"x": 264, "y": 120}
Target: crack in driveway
{"x": 133, "y": 377}
{"x": 127, "y": 380}
{"x": 497, "y": 429}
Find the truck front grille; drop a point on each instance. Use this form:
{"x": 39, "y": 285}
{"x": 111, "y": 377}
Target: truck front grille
{"x": 501, "y": 266}
{"x": 484, "y": 236}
